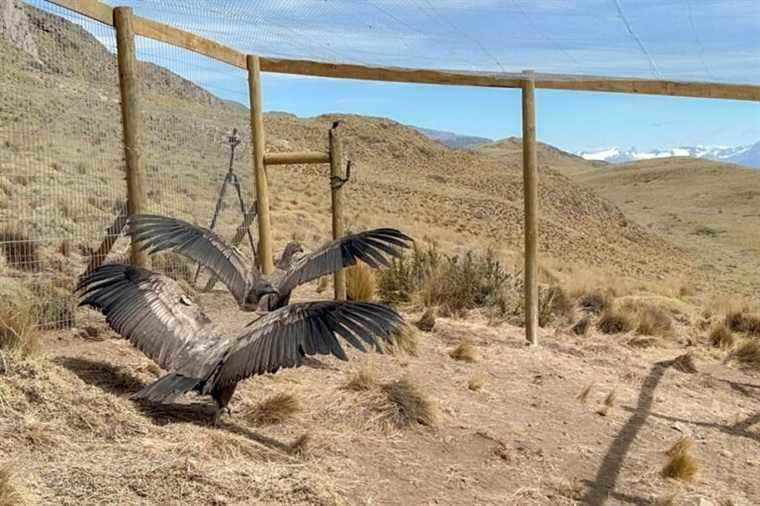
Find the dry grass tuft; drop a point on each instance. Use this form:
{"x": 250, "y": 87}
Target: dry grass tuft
{"x": 465, "y": 351}
{"x": 18, "y": 321}
{"x": 20, "y": 251}
{"x": 741, "y": 320}
{"x": 407, "y": 404}
{"x": 580, "y": 328}
{"x": 476, "y": 382}
{"x": 360, "y": 282}
{"x": 274, "y": 410}
{"x": 681, "y": 464}
{"x": 427, "y": 320}
{"x": 405, "y": 339}
{"x": 721, "y": 336}
{"x": 361, "y": 380}
{"x": 11, "y": 493}
{"x": 682, "y": 445}
{"x": 615, "y": 321}
{"x": 583, "y": 395}
{"x": 553, "y": 304}
{"x": 653, "y": 321}
{"x": 747, "y": 353}
{"x": 595, "y": 302}
{"x": 685, "y": 363}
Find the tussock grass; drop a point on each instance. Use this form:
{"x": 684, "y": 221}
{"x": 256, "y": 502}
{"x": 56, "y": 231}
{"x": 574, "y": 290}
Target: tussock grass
{"x": 360, "y": 282}
{"x": 11, "y": 492}
{"x": 363, "y": 379}
{"x": 615, "y": 321}
{"x": 653, "y": 321}
{"x": 426, "y": 321}
{"x": 580, "y": 328}
{"x": 476, "y": 383}
{"x": 18, "y": 321}
{"x": 681, "y": 465}
{"x": 275, "y": 409}
{"x": 742, "y": 320}
{"x": 465, "y": 352}
{"x": 553, "y": 304}
{"x": 747, "y": 353}
{"x": 20, "y": 251}
{"x": 408, "y": 404}
{"x": 721, "y": 336}
{"x": 404, "y": 339}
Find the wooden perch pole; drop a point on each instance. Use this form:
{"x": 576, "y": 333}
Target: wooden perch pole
{"x": 336, "y": 190}
{"x": 530, "y": 188}
{"x": 131, "y": 117}
{"x": 266, "y": 264}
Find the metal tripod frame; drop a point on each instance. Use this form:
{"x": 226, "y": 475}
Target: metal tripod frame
{"x": 229, "y": 178}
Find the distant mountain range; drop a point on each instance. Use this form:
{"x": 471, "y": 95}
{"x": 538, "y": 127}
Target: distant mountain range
{"x": 451, "y": 139}
{"x": 744, "y": 155}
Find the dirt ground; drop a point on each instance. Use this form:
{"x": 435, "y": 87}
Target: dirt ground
{"x": 74, "y": 436}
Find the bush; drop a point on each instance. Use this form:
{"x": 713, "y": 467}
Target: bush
{"x": 407, "y": 274}
{"x": 360, "y": 282}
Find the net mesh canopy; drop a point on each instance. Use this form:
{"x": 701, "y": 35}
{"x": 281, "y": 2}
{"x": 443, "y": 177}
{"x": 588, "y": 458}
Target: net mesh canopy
{"x": 696, "y": 40}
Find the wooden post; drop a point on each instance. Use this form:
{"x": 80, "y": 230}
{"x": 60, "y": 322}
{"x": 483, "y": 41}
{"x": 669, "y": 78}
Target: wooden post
{"x": 336, "y": 174}
{"x": 259, "y": 169}
{"x": 131, "y": 117}
{"x": 530, "y": 186}
{"x": 112, "y": 235}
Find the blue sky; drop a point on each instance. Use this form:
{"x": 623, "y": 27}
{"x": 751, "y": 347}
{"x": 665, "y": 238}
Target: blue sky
{"x": 716, "y": 40}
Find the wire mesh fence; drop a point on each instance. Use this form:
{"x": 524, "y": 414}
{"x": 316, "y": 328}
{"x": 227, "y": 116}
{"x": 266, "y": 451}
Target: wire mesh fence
{"x": 62, "y": 167}
{"x": 61, "y": 158}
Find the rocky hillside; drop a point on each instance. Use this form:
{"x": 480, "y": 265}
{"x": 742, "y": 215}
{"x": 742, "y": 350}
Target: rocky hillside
{"x": 62, "y": 168}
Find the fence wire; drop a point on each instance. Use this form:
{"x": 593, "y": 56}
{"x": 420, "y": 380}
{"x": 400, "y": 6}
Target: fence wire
{"x": 62, "y": 168}
{"x": 61, "y": 158}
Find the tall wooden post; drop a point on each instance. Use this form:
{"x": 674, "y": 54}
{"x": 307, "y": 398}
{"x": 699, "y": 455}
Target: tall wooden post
{"x": 530, "y": 186}
{"x": 131, "y": 117}
{"x": 336, "y": 190}
{"x": 259, "y": 169}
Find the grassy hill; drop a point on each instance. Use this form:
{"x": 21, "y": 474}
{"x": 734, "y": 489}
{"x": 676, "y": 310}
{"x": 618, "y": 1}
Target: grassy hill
{"x": 710, "y": 209}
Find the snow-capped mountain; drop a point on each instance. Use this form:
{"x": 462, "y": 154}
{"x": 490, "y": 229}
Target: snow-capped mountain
{"x": 745, "y": 155}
